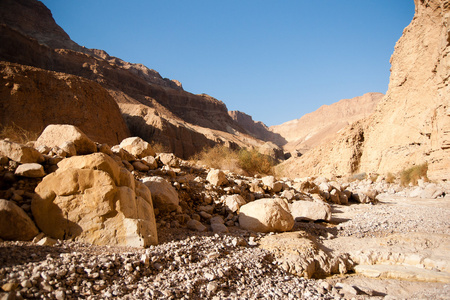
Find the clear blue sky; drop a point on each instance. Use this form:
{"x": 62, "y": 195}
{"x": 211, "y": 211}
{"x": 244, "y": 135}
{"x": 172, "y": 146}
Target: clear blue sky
{"x": 274, "y": 60}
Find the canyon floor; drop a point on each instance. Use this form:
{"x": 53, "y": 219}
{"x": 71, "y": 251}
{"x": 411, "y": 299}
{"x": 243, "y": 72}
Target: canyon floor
{"x": 401, "y": 247}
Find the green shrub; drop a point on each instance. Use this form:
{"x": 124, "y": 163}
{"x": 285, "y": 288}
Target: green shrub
{"x": 413, "y": 174}
{"x": 17, "y": 134}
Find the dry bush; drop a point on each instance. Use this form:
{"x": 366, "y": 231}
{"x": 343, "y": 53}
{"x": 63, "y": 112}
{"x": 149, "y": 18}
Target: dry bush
{"x": 413, "y": 174}
{"x": 246, "y": 162}
{"x": 390, "y": 178}
{"x": 17, "y": 134}
{"x": 373, "y": 177}
{"x": 159, "y": 147}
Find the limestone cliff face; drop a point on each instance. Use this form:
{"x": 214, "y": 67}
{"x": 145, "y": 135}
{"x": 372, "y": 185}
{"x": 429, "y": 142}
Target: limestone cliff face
{"x": 33, "y": 98}
{"x": 31, "y": 37}
{"x": 323, "y": 124}
{"x": 411, "y": 125}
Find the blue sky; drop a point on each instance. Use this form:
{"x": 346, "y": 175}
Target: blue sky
{"x": 274, "y": 60}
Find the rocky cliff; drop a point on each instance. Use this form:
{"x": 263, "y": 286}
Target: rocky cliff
{"x": 411, "y": 125}
{"x": 256, "y": 128}
{"x": 31, "y": 37}
{"x": 33, "y": 98}
{"x": 323, "y": 124}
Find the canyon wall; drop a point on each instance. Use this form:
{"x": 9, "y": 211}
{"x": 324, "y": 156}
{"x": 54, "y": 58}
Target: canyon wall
{"x": 411, "y": 125}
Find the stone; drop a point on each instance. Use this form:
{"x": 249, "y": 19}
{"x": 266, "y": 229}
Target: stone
{"x": 233, "y": 202}
{"x": 20, "y": 153}
{"x": 164, "y": 195}
{"x": 137, "y": 165}
{"x": 169, "y": 159}
{"x": 32, "y": 170}
{"x": 195, "y": 225}
{"x": 15, "y": 224}
{"x": 272, "y": 185}
{"x": 84, "y": 200}
{"x": 216, "y": 219}
{"x": 217, "y": 177}
{"x": 266, "y": 215}
{"x": 151, "y": 162}
{"x": 310, "y": 210}
{"x": 58, "y": 135}
{"x": 137, "y": 147}
{"x": 219, "y": 228}
{"x": 400, "y": 272}
{"x": 46, "y": 241}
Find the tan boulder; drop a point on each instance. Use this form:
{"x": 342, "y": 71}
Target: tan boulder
{"x": 234, "y": 202}
{"x": 272, "y": 185}
{"x": 266, "y": 215}
{"x": 32, "y": 170}
{"x": 310, "y": 210}
{"x": 164, "y": 195}
{"x": 216, "y": 177}
{"x": 169, "y": 159}
{"x": 137, "y": 147}
{"x": 59, "y": 135}
{"x": 91, "y": 199}
{"x": 15, "y": 224}
{"x": 20, "y": 153}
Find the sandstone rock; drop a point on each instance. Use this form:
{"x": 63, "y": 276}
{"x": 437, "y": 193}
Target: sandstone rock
{"x": 58, "y": 135}
{"x": 15, "y": 223}
{"x": 20, "y": 153}
{"x": 216, "y": 177}
{"x": 137, "y": 165}
{"x": 266, "y": 215}
{"x": 196, "y": 225}
{"x": 30, "y": 170}
{"x": 122, "y": 153}
{"x": 169, "y": 159}
{"x": 272, "y": 185}
{"x": 83, "y": 200}
{"x": 233, "y": 202}
{"x": 137, "y": 147}
{"x": 151, "y": 162}
{"x": 219, "y": 228}
{"x": 165, "y": 197}
{"x": 310, "y": 210}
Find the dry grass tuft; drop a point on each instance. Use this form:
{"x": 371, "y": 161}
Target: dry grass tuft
{"x": 390, "y": 178}
{"x": 246, "y": 162}
{"x": 413, "y": 174}
{"x": 17, "y": 134}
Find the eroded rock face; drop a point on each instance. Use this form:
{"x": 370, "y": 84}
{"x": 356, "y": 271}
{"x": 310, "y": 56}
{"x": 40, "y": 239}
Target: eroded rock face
{"x": 266, "y": 215}
{"x": 411, "y": 124}
{"x": 92, "y": 200}
{"x": 33, "y": 98}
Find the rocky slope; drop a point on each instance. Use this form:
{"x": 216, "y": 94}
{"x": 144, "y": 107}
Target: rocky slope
{"x": 322, "y": 125}
{"x": 411, "y": 124}
{"x": 31, "y": 37}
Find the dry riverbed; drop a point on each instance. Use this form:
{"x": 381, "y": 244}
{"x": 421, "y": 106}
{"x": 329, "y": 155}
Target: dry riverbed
{"x": 401, "y": 246}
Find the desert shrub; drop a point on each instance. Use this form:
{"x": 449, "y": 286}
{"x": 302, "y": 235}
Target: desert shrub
{"x": 413, "y": 174}
{"x": 253, "y": 162}
{"x": 159, "y": 147}
{"x": 373, "y": 177}
{"x": 247, "y": 162}
{"x": 17, "y": 134}
{"x": 390, "y": 178}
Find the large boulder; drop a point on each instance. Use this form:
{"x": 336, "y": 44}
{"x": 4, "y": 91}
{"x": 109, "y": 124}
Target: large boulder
{"x": 266, "y": 215}
{"x": 164, "y": 195}
{"x": 20, "y": 153}
{"x": 92, "y": 199}
{"x": 15, "y": 224}
{"x": 310, "y": 210}
{"x": 137, "y": 147}
{"x": 59, "y": 135}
